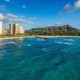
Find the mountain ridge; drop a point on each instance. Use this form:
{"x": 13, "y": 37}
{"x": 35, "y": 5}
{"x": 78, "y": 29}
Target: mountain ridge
{"x": 65, "y": 30}
{"x": 57, "y": 28}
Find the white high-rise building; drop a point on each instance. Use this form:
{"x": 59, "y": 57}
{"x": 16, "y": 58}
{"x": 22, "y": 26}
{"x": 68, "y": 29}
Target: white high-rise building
{"x": 1, "y": 27}
{"x": 16, "y": 28}
{"x": 21, "y": 30}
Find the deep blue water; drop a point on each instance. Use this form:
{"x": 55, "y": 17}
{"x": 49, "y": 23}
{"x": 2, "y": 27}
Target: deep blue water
{"x": 40, "y": 59}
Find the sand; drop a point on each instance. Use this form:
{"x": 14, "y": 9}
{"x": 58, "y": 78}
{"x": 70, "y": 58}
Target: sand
{"x": 42, "y": 36}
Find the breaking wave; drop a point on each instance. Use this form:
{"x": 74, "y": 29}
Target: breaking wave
{"x": 67, "y": 43}
{"x": 69, "y": 39}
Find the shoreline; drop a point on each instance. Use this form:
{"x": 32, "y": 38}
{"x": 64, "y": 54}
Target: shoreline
{"x": 54, "y": 36}
{"x": 37, "y": 37}
{"x": 3, "y": 38}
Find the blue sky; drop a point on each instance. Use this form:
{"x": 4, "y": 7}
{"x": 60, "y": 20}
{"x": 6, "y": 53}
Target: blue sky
{"x": 40, "y": 13}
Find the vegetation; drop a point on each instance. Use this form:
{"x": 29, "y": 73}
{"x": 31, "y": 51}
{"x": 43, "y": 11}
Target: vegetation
{"x": 65, "y": 30}
{"x": 52, "y": 33}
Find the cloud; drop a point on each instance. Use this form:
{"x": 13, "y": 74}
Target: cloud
{"x": 3, "y": 7}
{"x": 22, "y": 16}
{"x": 23, "y": 6}
{"x": 2, "y": 17}
{"x": 30, "y": 22}
{"x": 67, "y": 8}
{"x": 7, "y": 0}
{"x": 71, "y": 7}
{"x": 11, "y": 15}
{"x": 13, "y": 18}
{"x": 77, "y": 4}
{"x": 34, "y": 18}
{"x": 60, "y": 23}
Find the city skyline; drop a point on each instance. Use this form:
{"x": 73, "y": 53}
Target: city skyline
{"x": 39, "y": 13}
{"x": 13, "y": 29}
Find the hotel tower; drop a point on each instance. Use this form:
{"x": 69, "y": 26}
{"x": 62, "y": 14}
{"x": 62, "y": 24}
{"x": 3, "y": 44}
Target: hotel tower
{"x": 1, "y": 27}
{"x": 16, "y": 29}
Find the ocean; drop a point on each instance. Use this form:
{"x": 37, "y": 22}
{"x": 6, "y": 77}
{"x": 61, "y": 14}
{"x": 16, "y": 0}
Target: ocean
{"x": 40, "y": 59}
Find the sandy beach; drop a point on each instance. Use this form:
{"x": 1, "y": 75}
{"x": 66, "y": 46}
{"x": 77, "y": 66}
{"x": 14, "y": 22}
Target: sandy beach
{"x": 55, "y": 36}
{"x": 42, "y": 36}
{"x": 16, "y": 37}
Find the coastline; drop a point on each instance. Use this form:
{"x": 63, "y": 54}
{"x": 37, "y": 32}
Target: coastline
{"x": 37, "y": 37}
{"x": 55, "y": 36}
{"x": 3, "y": 38}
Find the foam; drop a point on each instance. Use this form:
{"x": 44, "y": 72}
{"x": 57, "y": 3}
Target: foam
{"x": 69, "y": 39}
{"x": 10, "y": 43}
{"x": 45, "y": 49}
{"x": 67, "y": 43}
{"x": 29, "y": 45}
{"x": 40, "y": 39}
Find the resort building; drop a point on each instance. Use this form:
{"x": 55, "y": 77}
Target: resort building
{"x": 12, "y": 28}
{"x": 1, "y": 27}
{"x": 21, "y": 30}
{"x": 16, "y": 29}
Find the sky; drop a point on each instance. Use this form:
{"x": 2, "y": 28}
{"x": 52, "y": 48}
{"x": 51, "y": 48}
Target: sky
{"x": 40, "y": 13}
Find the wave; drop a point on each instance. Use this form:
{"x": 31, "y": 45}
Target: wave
{"x": 39, "y": 39}
{"x": 10, "y": 43}
{"x": 67, "y": 43}
{"x": 29, "y": 45}
{"x": 45, "y": 49}
{"x": 69, "y": 39}
{"x": 1, "y": 44}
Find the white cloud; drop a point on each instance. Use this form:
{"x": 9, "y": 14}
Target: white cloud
{"x": 3, "y": 7}
{"x": 30, "y": 22}
{"x": 7, "y": 0}
{"x": 23, "y": 6}
{"x": 34, "y": 18}
{"x": 60, "y": 23}
{"x": 77, "y": 4}
{"x": 22, "y": 16}
{"x": 13, "y": 18}
{"x": 11, "y": 15}
{"x": 67, "y": 8}
{"x": 1, "y": 17}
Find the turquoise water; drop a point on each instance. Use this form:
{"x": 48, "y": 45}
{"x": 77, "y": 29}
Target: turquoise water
{"x": 40, "y": 59}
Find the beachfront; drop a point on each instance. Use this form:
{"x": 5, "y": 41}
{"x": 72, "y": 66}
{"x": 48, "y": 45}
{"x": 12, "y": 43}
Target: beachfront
{"x": 39, "y": 36}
